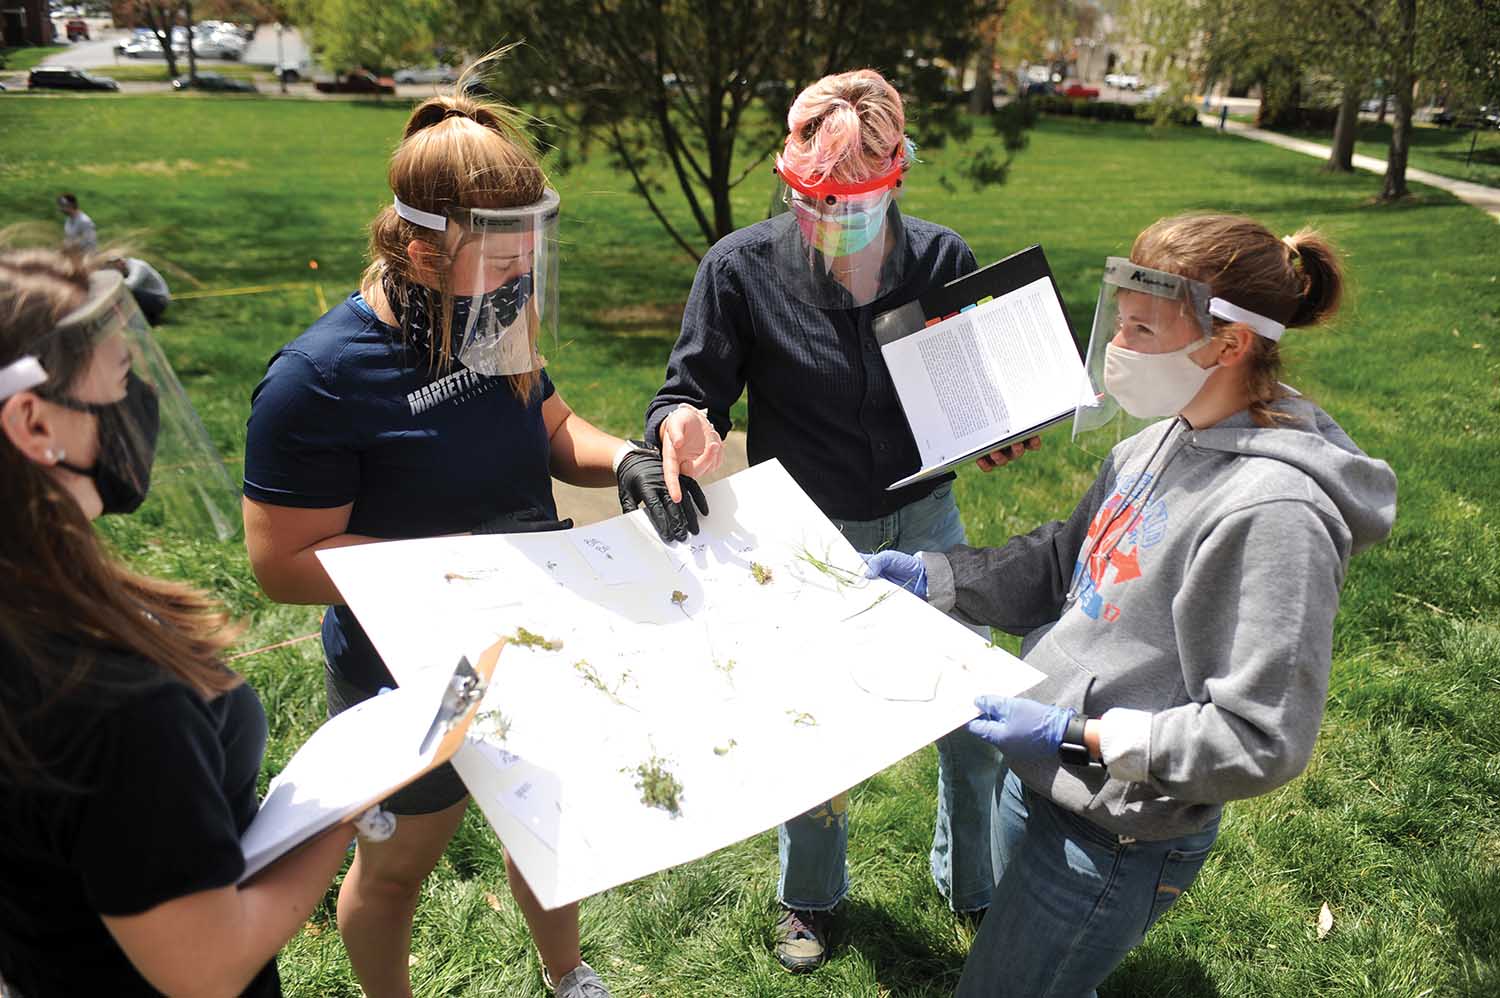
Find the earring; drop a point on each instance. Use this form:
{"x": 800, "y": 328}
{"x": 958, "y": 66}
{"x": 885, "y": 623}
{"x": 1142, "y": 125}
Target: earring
{"x": 56, "y": 455}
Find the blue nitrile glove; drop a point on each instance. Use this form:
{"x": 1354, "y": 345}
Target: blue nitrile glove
{"x": 1020, "y": 728}
{"x": 906, "y": 571}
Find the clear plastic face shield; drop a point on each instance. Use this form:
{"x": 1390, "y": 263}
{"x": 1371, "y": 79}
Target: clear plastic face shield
{"x": 1148, "y": 327}
{"x": 1142, "y": 311}
{"x": 503, "y": 279}
{"x": 138, "y": 437}
{"x": 839, "y": 245}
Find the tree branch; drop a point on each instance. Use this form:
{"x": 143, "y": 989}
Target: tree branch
{"x": 623, "y": 152}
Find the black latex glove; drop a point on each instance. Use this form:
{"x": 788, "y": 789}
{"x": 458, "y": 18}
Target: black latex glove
{"x": 643, "y": 484}
{"x": 525, "y": 521}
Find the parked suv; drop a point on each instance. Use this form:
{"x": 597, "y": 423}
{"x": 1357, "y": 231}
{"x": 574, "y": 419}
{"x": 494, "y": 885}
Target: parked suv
{"x": 77, "y": 28}
{"x": 67, "y": 78}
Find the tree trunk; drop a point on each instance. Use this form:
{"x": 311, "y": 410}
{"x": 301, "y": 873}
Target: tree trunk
{"x": 187, "y": 11}
{"x": 159, "y": 19}
{"x": 1394, "y": 187}
{"x": 982, "y": 100}
{"x": 1341, "y": 156}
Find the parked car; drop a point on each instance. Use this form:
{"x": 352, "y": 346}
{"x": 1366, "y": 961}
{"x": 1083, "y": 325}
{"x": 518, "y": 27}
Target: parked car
{"x": 67, "y": 78}
{"x": 77, "y": 28}
{"x": 1153, "y": 92}
{"x": 1038, "y": 88}
{"x": 361, "y": 81}
{"x": 214, "y": 81}
{"x": 429, "y": 74}
{"x": 1122, "y": 81}
{"x": 142, "y": 47}
{"x": 289, "y": 72}
{"x": 1080, "y": 91}
{"x": 1372, "y": 106}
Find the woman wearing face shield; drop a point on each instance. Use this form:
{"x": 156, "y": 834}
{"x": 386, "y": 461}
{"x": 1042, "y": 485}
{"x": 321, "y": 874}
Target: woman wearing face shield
{"x": 419, "y": 407}
{"x": 128, "y": 752}
{"x": 783, "y": 309}
{"x": 1182, "y": 615}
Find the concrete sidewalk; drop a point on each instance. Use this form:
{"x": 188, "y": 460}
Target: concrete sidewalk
{"x": 1484, "y": 198}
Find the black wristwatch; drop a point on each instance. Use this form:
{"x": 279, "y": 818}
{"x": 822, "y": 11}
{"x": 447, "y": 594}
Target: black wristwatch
{"x": 1073, "y": 751}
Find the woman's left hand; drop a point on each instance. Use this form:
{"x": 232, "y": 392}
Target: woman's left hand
{"x": 1021, "y": 728}
{"x": 1005, "y": 455}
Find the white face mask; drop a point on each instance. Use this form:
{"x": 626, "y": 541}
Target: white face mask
{"x": 1152, "y": 385}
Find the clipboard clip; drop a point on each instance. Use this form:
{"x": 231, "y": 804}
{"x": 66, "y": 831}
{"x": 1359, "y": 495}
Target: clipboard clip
{"x": 465, "y": 689}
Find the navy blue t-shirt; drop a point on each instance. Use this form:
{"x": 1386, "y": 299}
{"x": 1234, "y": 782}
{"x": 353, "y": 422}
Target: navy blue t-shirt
{"x": 349, "y": 414}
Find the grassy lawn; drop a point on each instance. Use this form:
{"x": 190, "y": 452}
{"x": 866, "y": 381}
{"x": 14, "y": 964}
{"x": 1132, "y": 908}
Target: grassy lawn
{"x": 1444, "y": 151}
{"x": 153, "y": 70}
{"x": 1393, "y": 826}
{"x": 19, "y": 60}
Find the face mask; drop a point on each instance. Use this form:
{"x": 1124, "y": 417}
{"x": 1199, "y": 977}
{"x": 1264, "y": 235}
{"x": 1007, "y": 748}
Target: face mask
{"x": 1152, "y": 385}
{"x": 127, "y": 445}
{"x": 486, "y": 327}
{"x": 483, "y": 327}
{"x": 847, "y": 234}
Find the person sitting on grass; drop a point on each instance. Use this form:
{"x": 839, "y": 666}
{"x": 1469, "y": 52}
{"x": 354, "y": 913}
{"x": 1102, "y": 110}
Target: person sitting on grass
{"x": 1182, "y": 615}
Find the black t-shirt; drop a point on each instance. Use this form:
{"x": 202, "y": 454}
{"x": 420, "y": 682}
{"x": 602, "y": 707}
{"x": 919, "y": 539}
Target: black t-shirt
{"x": 160, "y": 785}
{"x": 347, "y": 414}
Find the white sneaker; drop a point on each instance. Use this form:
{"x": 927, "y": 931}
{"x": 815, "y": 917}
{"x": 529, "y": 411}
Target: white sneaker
{"x": 581, "y": 982}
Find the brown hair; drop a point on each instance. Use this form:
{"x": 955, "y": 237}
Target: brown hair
{"x": 1298, "y": 281}
{"x": 64, "y": 602}
{"x": 458, "y": 151}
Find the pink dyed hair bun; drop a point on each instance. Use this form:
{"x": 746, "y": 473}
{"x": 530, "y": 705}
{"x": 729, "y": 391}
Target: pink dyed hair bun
{"x": 847, "y": 127}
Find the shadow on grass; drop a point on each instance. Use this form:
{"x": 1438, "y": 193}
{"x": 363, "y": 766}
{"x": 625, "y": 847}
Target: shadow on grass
{"x": 906, "y": 962}
{"x": 1472, "y": 899}
{"x": 1148, "y": 973}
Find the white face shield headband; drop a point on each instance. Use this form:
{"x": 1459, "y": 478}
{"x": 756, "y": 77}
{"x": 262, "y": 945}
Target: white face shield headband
{"x": 507, "y": 260}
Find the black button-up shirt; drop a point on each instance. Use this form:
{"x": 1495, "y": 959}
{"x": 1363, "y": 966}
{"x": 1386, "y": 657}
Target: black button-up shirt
{"x": 820, "y": 397}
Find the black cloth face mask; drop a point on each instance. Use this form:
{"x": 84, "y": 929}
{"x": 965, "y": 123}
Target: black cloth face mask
{"x": 127, "y": 445}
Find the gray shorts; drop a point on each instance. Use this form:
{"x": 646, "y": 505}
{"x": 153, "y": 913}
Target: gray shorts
{"x": 437, "y": 791}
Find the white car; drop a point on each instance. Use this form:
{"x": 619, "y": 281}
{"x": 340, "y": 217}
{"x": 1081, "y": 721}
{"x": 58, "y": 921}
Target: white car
{"x": 430, "y": 74}
{"x": 1122, "y": 81}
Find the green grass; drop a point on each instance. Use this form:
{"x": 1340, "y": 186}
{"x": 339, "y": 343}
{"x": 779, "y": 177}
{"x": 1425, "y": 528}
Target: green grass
{"x": 1393, "y": 826}
{"x": 18, "y": 60}
{"x": 1444, "y": 151}
{"x": 155, "y": 70}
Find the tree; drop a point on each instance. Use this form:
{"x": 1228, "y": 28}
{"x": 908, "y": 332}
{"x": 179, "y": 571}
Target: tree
{"x": 695, "y": 95}
{"x": 161, "y": 18}
{"x": 1355, "y": 41}
{"x": 373, "y": 34}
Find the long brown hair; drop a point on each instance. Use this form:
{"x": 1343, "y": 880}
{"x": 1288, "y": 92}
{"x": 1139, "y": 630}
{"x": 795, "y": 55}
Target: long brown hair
{"x": 65, "y": 603}
{"x": 1297, "y": 281}
{"x": 458, "y": 151}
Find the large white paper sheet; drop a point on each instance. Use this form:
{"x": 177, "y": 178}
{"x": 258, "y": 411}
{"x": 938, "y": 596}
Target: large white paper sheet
{"x": 716, "y": 661}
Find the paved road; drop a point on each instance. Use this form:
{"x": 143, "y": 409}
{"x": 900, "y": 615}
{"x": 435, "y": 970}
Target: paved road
{"x": 1480, "y": 196}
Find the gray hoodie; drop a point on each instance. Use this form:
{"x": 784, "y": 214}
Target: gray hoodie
{"x": 1189, "y": 602}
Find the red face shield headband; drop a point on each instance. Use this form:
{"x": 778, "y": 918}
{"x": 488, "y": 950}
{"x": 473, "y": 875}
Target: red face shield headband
{"x": 823, "y": 188}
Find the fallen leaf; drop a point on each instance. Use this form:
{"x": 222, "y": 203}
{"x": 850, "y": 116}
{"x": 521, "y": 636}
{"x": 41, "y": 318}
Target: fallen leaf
{"x": 413, "y": 960}
{"x": 491, "y": 900}
{"x": 312, "y": 929}
{"x": 1325, "y": 921}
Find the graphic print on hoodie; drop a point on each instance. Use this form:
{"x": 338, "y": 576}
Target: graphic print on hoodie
{"x": 1128, "y": 522}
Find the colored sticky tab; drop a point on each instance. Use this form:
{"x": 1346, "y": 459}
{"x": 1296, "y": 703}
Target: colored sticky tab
{"x": 949, "y": 316}
{"x": 985, "y": 300}
{"x": 968, "y": 308}
{"x": 931, "y": 322}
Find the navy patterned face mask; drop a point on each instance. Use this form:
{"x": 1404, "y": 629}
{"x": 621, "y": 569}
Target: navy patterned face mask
{"x": 484, "y": 329}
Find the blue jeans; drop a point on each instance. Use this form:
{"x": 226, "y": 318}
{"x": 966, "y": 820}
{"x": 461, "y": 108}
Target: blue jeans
{"x": 814, "y": 846}
{"x": 1071, "y": 900}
